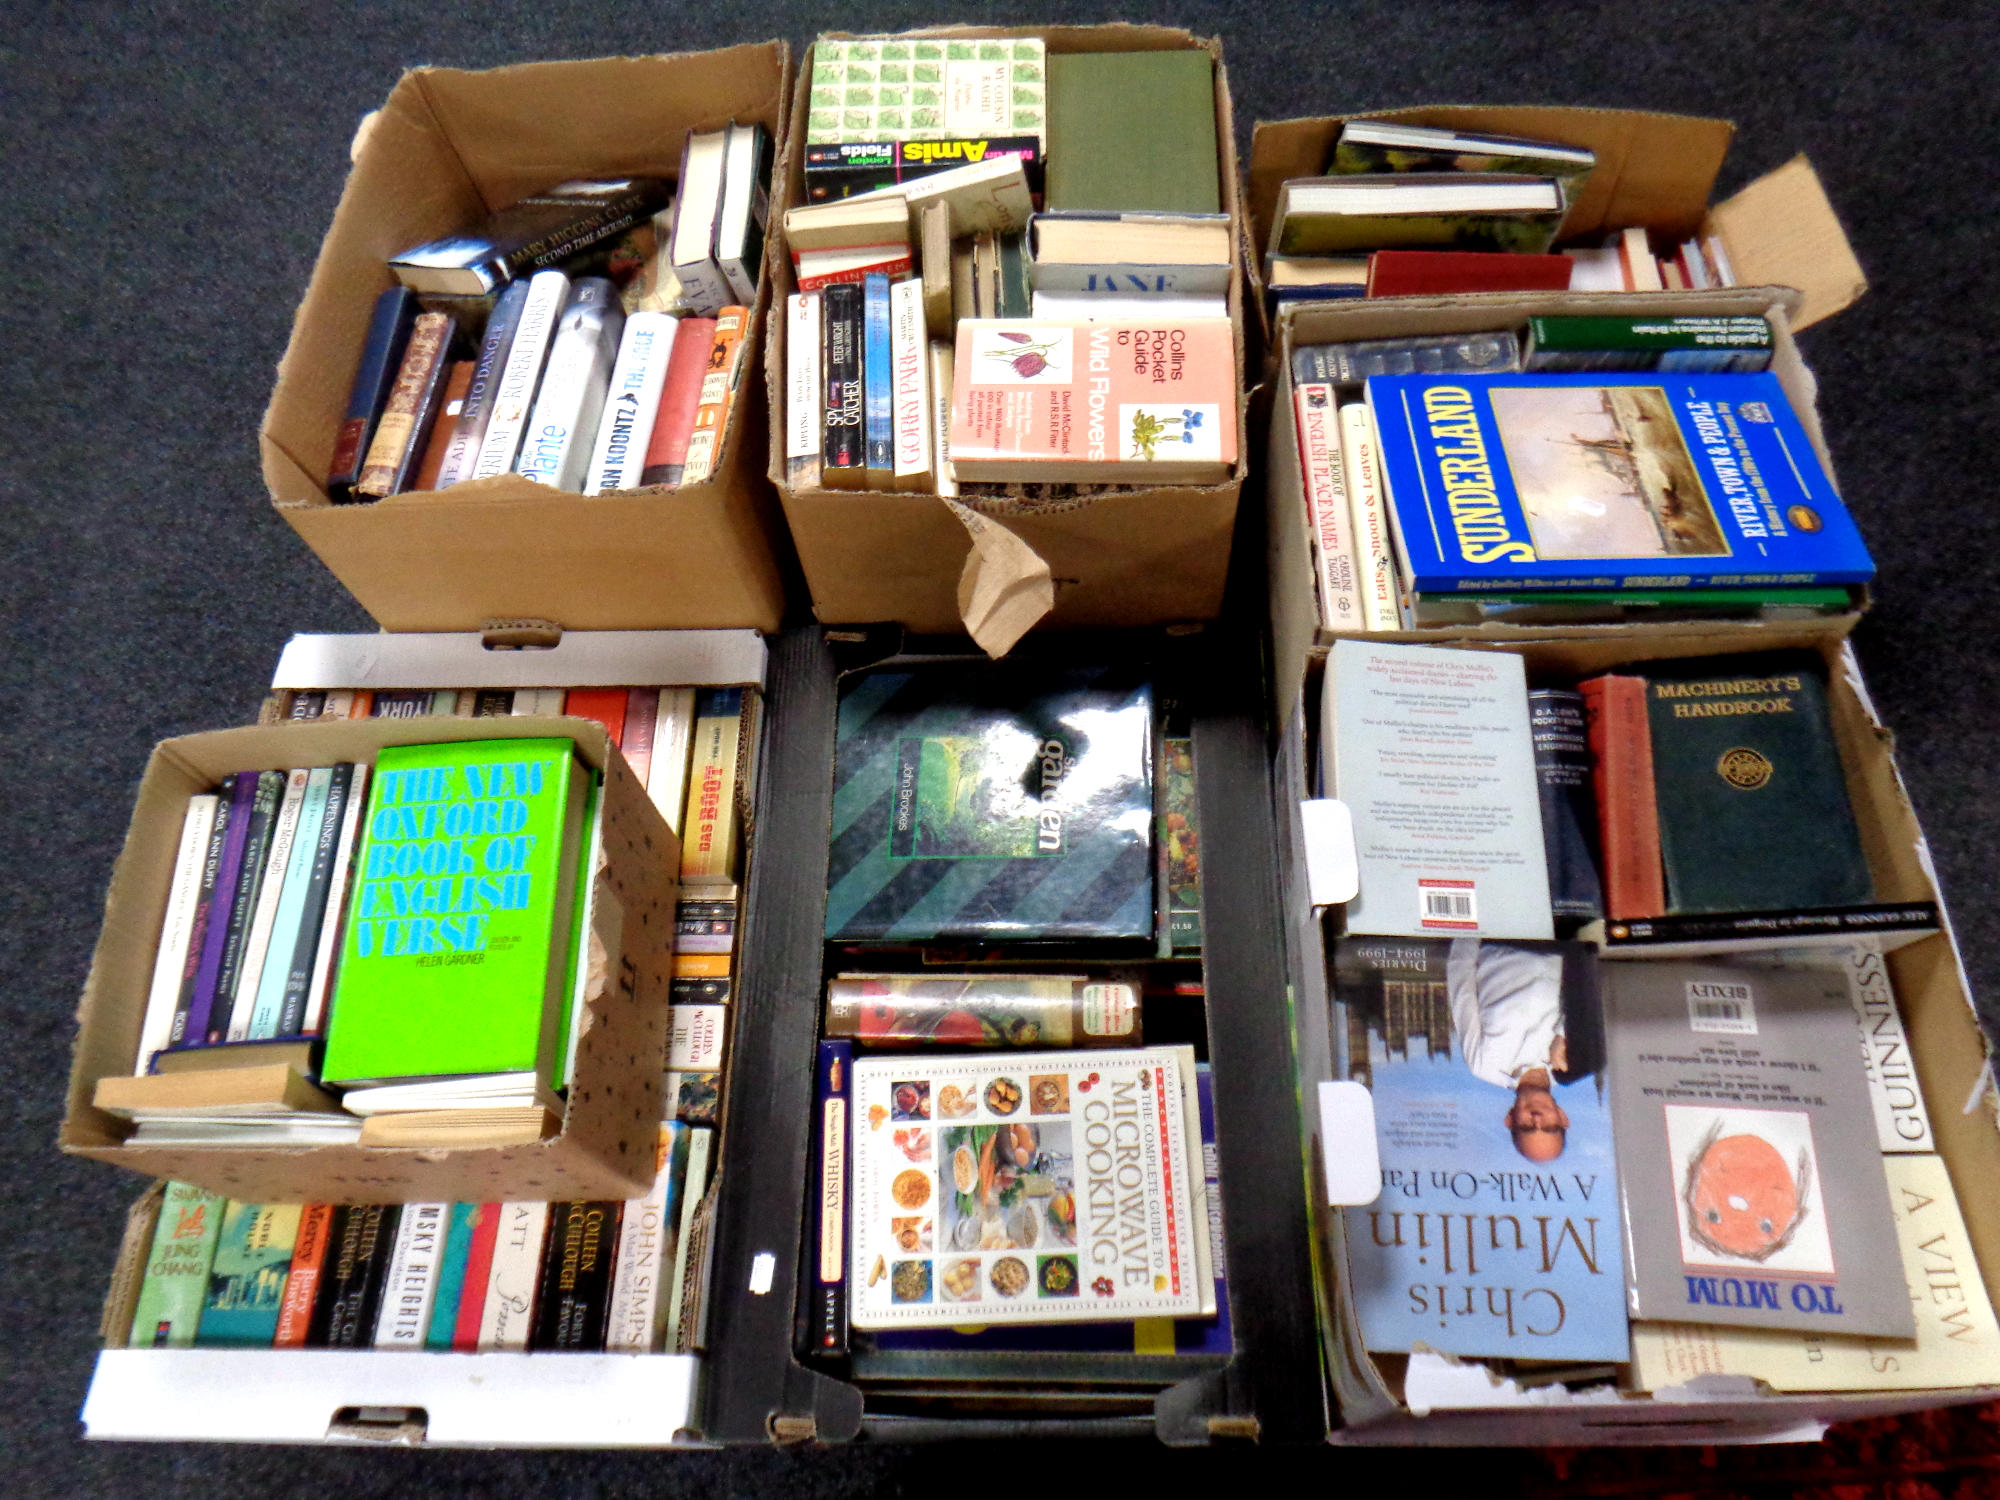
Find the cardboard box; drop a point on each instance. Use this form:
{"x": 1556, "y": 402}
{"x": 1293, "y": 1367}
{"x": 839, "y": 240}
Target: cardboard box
{"x": 1427, "y": 1400}
{"x": 605, "y": 1149}
{"x": 1655, "y": 170}
{"x": 447, "y": 148}
{"x": 1118, "y": 556}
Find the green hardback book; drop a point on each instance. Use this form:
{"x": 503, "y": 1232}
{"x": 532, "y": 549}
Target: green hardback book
{"x": 246, "y": 1286}
{"x": 1133, "y": 132}
{"x": 177, "y": 1267}
{"x": 1753, "y": 804}
{"x": 456, "y": 959}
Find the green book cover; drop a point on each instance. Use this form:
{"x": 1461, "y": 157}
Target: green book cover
{"x": 177, "y": 1267}
{"x": 579, "y": 951}
{"x": 1753, "y": 804}
{"x": 456, "y": 956}
{"x": 1133, "y": 132}
{"x": 1180, "y": 846}
{"x": 246, "y": 1286}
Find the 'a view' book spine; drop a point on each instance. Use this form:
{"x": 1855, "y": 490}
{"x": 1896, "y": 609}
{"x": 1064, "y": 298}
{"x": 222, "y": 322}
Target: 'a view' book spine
{"x": 514, "y": 398}
{"x": 206, "y": 922}
{"x": 1569, "y": 803}
{"x": 842, "y": 462}
{"x": 313, "y": 907}
{"x": 381, "y": 358}
{"x": 249, "y": 875}
{"x": 469, "y": 435}
{"x": 878, "y": 371}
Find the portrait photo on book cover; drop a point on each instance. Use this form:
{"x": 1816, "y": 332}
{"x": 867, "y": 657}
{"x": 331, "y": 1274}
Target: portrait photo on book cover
{"x": 1603, "y": 472}
{"x": 1748, "y": 1181}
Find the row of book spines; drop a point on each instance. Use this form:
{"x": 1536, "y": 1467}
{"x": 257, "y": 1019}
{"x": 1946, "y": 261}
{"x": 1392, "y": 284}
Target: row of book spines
{"x": 868, "y": 394}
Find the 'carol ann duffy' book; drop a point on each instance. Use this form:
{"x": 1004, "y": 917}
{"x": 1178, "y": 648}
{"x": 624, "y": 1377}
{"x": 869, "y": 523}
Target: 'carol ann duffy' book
{"x": 1754, "y": 1189}
{"x": 1497, "y": 1231}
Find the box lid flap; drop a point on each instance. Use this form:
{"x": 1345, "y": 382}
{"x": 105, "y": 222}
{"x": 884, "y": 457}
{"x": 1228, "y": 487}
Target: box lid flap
{"x": 1781, "y": 230}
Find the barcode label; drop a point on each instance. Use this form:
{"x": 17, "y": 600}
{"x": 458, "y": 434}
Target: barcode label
{"x": 1720, "y": 1007}
{"x": 1448, "y": 904}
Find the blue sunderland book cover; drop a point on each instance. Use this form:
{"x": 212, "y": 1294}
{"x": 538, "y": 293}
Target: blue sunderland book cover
{"x": 1497, "y": 1233}
{"x": 1594, "y": 481}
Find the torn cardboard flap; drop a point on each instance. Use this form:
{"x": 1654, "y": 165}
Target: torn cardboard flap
{"x": 1781, "y": 230}
{"x": 1005, "y": 587}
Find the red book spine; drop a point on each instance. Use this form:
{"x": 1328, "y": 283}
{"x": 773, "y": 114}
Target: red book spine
{"x": 891, "y": 266}
{"x": 666, "y": 452}
{"x": 1621, "y": 746}
{"x": 606, "y": 705}
{"x": 302, "y": 1283}
{"x": 1411, "y": 273}
{"x": 642, "y": 708}
{"x": 478, "y": 1276}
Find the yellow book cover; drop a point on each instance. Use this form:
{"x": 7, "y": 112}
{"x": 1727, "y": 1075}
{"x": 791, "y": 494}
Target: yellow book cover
{"x": 708, "y": 833}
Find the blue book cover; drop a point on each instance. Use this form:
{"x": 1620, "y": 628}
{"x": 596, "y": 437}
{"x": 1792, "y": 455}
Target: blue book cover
{"x": 1515, "y": 482}
{"x": 451, "y": 1275}
{"x": 283, "y": 948}
{"x": 1497, "y": 1232}
{"x": 246, "y": 1284}
{"x": 878, "y": 375}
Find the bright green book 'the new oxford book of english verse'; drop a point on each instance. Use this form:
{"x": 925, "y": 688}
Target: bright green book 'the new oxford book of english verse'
{"x": 456, "y": 959}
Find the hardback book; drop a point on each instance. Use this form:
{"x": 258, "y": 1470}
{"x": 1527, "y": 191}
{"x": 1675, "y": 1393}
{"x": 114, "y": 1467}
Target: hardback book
{"x": 697, "y": 215}
{"x": 514, "y": 1277}
{"x": 878, "y": 375}
{"x": 399, "y": 1012}
{"x": 636, "y": 1322}
{"x": 1147, "y": 403}
{"x": 1014, "y": 277}
{"x": 461, "y": 1228}
{"x": 1678, "y": 345}
{"x": 451, "y": 405}
{"x": 896, "y": 88}
{"x": 381, "y": 359}
{"x": 1180, "y": 851}
{"x": 842, "y": 169}
{"x": 291, "y": 1052}
{"x": 270, "y": 893}
{"x": 405, "y": 424}
{"x": 356, "y": 1269}
{"x": 941, "y": 354}
{"x": 1598, "y": 481}
{"x": 852, "y": 224}
{"x": 1595, "y": 270}
{"x": 211, "y": 915}
{"x": 531, "y": 235}
{"x": 728, "y": 355}
{"x": 1569, "y": 803}
{"x": 1391, "y": 146}
{"x": 177, "y": 1268}
{"x": 977, "y": 1194}
{"x": 478, "y": 1277}
{"x": 267, "y": 789}
{"x": 987, "y": 197}
{"x": 274, "y": 1089}
{"x": 683, "y": 1311}
{"x": 934, "y": 268}
{"x": 983, "y": 1010}
{"x": 631, "y": 402}
{"x": 305, "y": 1280}
{"x": 745, "y": 209}
{"x": 1308, "y": 278}
{"x": 1636, "y": 265}
{"x": 910, "y": 413}
{"x": 964, "y": 285}
{"x": 281, "y": 949}
{"x": 468, "y": 432}
{"x": 1119, "y": 307}
{"x": 411, "y": 1283}
{"x": 1375, "y": 562}
{"x": 804, "y": 408}
{"x": 555, "y": 450}
{"x": 993, "y": 804}
{"x": 1754, "y": 1192}
{"x": 170, "y": 962}
{"x": 843, "y": 461}
{"x": 1497, "y": 1233}
{"x": 1149, "y": 119}
{"x": 514, "y": 396}
{"x": 308, "y": 1017}
{"x": 821, "y": 1323}
{"x": 1380, "y": 211}
{"x": 1428, "y": 273}
{"x": 709, "y": 832}
{"x": 1957, "y": 1342}
{"x": 1188, "y": 255}
{"x": 680, "y": 398}
{"x": 1753, "y": 806}
{"x": 1765, "y": 603}
{"x": 673, "y": 747}
{"x": 1452, "y": 354}
{"x": 819, "y": 269}
{"x": 1628, "y": 819}
{"x": 1336, "y": 555}
{"x": 246, "y": 1284}
{"x": 1404, "y": 726}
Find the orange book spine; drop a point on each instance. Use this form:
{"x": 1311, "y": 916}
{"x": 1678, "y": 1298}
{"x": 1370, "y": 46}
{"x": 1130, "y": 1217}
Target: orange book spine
{"x": 456, "y": 383}
{"x": 302, "y": 1282}
{"x": 666, "y": 451}
{"x": 606, "y": 705}
{"x": 1628, "y": 816}
{"x": 718, "y": 393}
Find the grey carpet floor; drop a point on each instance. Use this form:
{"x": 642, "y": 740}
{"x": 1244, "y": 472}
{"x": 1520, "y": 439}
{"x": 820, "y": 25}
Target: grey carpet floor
{"x": 169, "y": 171}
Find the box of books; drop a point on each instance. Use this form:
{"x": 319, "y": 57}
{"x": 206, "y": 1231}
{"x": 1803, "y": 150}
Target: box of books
{"x": 1007, "y": 385}
{"x": 382, "y": 960}
{"x": 1703, "y": 1166}
{"x": 522, "y": 385}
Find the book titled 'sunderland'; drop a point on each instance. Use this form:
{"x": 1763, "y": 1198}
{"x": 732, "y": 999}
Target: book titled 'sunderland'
{"x": 995, "y": 804}
{"x": 1513, "y": 482}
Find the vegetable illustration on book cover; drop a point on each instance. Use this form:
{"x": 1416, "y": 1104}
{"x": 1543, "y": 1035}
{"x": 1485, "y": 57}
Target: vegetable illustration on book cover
{"x": 987, "y": 803}
{"x": 1497, "y": 1233}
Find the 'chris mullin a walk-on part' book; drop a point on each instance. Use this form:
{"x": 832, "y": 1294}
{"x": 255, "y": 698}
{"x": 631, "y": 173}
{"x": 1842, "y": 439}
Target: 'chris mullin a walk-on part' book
{"x": 1754, "y": 1188}
{"x": 993, "y": 804}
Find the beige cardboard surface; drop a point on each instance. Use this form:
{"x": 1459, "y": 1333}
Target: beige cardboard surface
{"x": 1120, "y": 556}
{"x": 606, "y": 1149}
{"x": 1781, "y": 229}
{"x": 446, "y": 148}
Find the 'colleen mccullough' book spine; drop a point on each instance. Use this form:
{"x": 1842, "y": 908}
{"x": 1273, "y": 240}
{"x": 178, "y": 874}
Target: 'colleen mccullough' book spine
{"x": 576, "y": 1277}
{"x": 556, "y": 448}
{"x": 632, "y": 403}
{"x": 381, "y": 358}
{"x": 843, "y": 465}
{"x": 406, "y": 421}
{"x": 879, "y": 384}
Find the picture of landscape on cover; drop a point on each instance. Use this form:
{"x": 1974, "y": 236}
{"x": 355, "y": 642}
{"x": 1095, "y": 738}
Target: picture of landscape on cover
{"x": 1603, "y": 472}
{"x": 970, "y": 799}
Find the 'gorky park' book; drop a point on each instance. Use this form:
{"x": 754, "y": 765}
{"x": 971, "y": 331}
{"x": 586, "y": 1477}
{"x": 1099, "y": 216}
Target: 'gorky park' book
{"x": 993, "y": 804}
{"x": 1515, "y": 482}
{"x": 1497, "y": 1232}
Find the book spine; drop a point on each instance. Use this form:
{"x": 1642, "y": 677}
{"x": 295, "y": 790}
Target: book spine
{"x": 270, "y": 895}
{"x": 726, "y": 359}
{"x": 177, "y": 932}
{"x": 680, "y": 398}
{"x": 451, "y": 403}
{"x": 304, "y": 706}
{"x": 468, "y": 433}
{"x": 1628, "y": 817}
{"x": 478, "y": 1278}
{"x": 333, "y": 920}
{"x": 514, "y": 397}
{"x": 940, "y": 357}
{"x": 320, "y": 854}
{"x": 604, "y": 705}
{"x": 1361, "y": 467}
{"x": 697, "y": 207}
{"x": 411, "y": 1283}
{"x": 570, "y": 1026}
{"x": 842, "y": 464}
{"x": 556, "y": 448}
{"x": 509, "y": 1313}
{"x": 281, "y": 949}
{"x": 803, "y": 410}
{"x": 405, "y": 424}
{"x": 246, "y": 1286}
{"x": 879, "y": 376}
{"x": 909, "y": 349}
{"x": 673, "y": 745}
{"x": 744, "y": 210}
{"x": 346, "y": 1316}
{"x": 1569, "y": 807}
{"x": 302, "y": 1286}
{"x": 632, "y": 404}
{"x": 243, "y": 903}
{"x": 708, "y": 848}
{"x": 576, "y": 1277}
{"x": 1322, "y": 465}
{"x": 381, "y": 359}
{"x": 642, "y": 710}
{"x": 636, "y": 1323}
{"x": 896, "y": 263}
{"x": 211, "y": 917}
{"x": 693, "y": 1189}
{"x": 177, "y": 1268}
{"x": 823, "y": 1306}
{"x": 460, "y": 1223}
